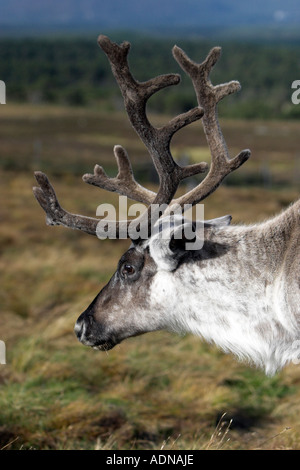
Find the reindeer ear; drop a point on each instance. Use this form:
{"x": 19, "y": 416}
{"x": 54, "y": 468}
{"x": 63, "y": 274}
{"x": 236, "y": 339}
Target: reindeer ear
{"x": 219, "y": 222}
{"x": 174, "y": 238}
{"x": 167, "y": 243}
{"x": 181, "y": 236}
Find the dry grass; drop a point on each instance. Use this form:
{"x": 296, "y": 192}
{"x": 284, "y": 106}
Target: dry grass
{"x": 158, "y": 391}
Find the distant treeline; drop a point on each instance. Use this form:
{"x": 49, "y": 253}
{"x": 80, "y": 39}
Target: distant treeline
{"x": 76, "y": 72}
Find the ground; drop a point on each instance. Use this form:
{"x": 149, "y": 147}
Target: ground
{"x": 154, "y": 391}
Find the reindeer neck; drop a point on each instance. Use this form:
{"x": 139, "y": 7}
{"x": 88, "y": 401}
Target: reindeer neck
{"x": 259, "y": 250}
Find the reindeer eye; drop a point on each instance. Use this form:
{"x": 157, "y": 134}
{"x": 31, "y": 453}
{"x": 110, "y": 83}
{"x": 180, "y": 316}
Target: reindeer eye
{"x": 128, "y": 270}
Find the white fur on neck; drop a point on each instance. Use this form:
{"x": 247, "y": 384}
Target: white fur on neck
{"x": 239, "y": 313}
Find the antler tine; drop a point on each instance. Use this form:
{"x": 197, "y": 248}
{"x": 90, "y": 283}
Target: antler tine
{"x": 117, "y": 56}
{"x": 56, "y": 215}
{"x": 208, "y": 97}
{"x": 124, "y": 183}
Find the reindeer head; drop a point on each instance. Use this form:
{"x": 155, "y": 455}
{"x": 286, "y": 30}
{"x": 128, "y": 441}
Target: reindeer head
{"x": 143, "y": 288}
{"x": 138, "y": 298}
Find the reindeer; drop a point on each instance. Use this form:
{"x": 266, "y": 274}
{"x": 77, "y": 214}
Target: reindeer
{"x": 239, "y": 290}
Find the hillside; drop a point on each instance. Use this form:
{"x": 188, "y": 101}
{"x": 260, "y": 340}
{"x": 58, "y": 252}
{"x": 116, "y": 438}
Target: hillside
{"x": 76, "y": 72}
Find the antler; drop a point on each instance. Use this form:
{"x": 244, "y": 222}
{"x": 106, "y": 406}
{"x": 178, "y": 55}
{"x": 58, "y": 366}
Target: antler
{"x": 157, "y": 141}
{"x": 208, "y": 97}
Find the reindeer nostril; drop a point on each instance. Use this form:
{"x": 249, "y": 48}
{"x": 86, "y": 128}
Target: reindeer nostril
{"x": 78, "y": 329}
{"x": 84, "y": 328}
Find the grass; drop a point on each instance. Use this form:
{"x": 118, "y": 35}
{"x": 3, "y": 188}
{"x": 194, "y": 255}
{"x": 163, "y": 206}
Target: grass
{"x": 158, "y": 391}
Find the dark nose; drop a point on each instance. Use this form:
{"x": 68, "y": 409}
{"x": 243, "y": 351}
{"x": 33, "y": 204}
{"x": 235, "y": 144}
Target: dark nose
{"x": 78, "y": 329}
{"x": 83, "y": 328}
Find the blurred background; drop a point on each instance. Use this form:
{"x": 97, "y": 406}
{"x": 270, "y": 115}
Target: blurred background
{"x": 63, "y": 114}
